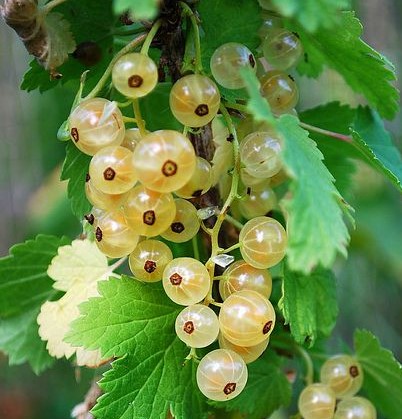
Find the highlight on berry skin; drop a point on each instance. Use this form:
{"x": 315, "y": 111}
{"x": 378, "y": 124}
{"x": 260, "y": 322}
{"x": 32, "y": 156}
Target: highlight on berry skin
{"x": 317, "y": 401}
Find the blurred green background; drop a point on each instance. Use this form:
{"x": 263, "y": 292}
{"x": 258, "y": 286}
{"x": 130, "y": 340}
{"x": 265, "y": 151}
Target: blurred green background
{"x": 33, "y": 201}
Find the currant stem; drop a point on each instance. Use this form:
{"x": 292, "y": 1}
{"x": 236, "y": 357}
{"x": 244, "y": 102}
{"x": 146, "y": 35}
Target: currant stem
{"x": 150, "y": 36}
{"x": 215, "y": 249}
{"x": 51, "y": 5}
{"x": 332, "y": 134}
{"x": 229, "y": 249}
{"x": 237, "y": 107}
{"x": 102, "y": 81}
{"x": 138, "y": 117}
{"x": 309, "y": 377}
{"x": 117, "y": 264}
{"x": 198, "y": 61}
{"x": 234, "y": 222}
{"x": 129, "y": 119}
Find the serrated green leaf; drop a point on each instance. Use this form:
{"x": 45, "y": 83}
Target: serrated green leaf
{"x": 309, "y": 304}
{"x": 139, "y": 9}
{"x": 225, "y": 21}
{"x": 135, "y": 321}
{"x": 20, "y": 340}
{"x": 376, "y": 145}
{"x": 313, "y": 14}
{"x": 256, "y": 105}
{"x": 24, "y": 286}
{"x": 337, "y": 154}
{"x": 316, "y": 229}
{"x": 267, "y": 389}
{"x": 364, "y": 69}
{"x": 382, "y": 374}
{"x": 75, "y": 169}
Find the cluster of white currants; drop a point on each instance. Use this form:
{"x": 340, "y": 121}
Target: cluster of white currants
{"x": 140, "y": 184}
{"x": 341, "y": 378}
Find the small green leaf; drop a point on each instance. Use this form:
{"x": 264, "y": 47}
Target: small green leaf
{"x": 256, "y": 104}
{"x": 225, "y": 21}
{"x": 309, "y": 304}
{"x": 139, "y": 9}
{"x": 75, "y": 169}
{"x": 382, "y": 374}
{"x": 267, "y": 389}
{"x": 364, "y": 69}
{"x": 316, "y": 229}
{"x": 24, "y": 287}
{"x": 313, "y": 14}
{"x": 376, "y": 145}
{"x": 135, "y": 321}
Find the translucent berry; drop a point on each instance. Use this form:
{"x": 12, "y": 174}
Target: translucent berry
{"x": 103, "y": 200}
{"x": 149, "y": 259}
{"x": 242, "y": 276}
{"x": 221, "y": 375}
{"x": 131, "y": 138}
{"x": 248, "y": 125}
{"x": 164, "y": 160}
{"x": 249, "y": 180}
{"x": 186, "y": 281}
{"x": 199, "y": 183}
{"x": 227, "y": 61}
{"x": 197, "y": 326}
{"x": 317, "y": 401}
{"x": 113, "y": 236}
{"x": 194, "y": 100}
{"x": 246, "y": 318}
{"x": 259, "y": 200}
{"x": 260, "y": 154}
{"x": 280, "y": 90}
{"x": 355, "y": 408}
{"x": 343, "y": 374}
{"x": 95, "y": 124}
{"x": 263, "y": 242}
{"x": 185, "y": 224}
{"x": 149, "y": 213}
{"x": 269, "y": 21}
{"x": 282, "y": 49}
{"x": 248, "y": 353}
{"x": 135, "y": 75}
{"x": 112, "y": 170}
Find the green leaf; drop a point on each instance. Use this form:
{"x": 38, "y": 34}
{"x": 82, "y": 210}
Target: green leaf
{"x": 256, "y": 104}
{"x": 364, "y": 69}
{"x": 227, "y": 21}
{"x": 75, "y": 169}
{"x": 135, "y": 321}
{"x": 24, "y": 287}
{"x": 20, "y": 340}
{"x": 267, "y": 389}
{"x": 382, "y": 374}
{"x": 309, "y": 304}
{"x": 156, "y": 109}
{"x": 316, "y": 229}
{"x": 139, "y": 9}
{"x": 312, "y": 14}
{"x": 337, "y": 154}
{"x": 376, "y": 145}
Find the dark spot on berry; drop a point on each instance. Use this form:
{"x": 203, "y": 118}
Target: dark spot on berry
{"x": 175, "y": 279}
{"x": 109, "y": 174}
{"x": 87, "y": 177}
{"x": 267, "y": 327}
{"x": 74, "y": 134}
{"x": 98, "y": 234}
{"x": 291, "y": 78}
{"x": 354, "y": 371}
{"x": 150, "y": 266}
{"x": 149, "y": 217}
{"x": 135, "y": 80}
{"x": 202, "y": 110}
{"x": 169, "y": 168}
{"x": 229, "y": 388}
{"x": 251, "y": 60}
{"x": 230, "y": 138}
{"x": 248, "y": 191}
{"x": 189, "y": 327}
{"x": 197, "y": 193}
{"x": 90, "y": 218}
{"x": 177, "y": 227}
